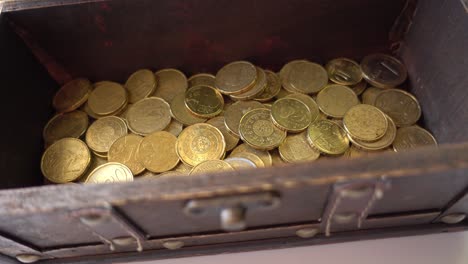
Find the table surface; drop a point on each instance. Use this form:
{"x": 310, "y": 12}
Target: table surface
{"x": 445, "y": 248}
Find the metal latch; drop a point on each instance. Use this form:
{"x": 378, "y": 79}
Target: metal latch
{"x": 232, "y": 210}
{"x": 350, "y": 203}
{"x": 110, "y": 226}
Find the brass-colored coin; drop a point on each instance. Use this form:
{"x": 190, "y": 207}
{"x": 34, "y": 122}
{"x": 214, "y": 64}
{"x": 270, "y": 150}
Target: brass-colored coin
{"x": 157, "y": 152}
{"x": 180, "y": 112}
{"x": 96, "y": 161}
{"x": 262, "y": 154}
{"x": 296, "y": 148}
{"x": 303, "y": 76}
{"x": 411, "y": 137}
{"x": 124, "y": 150}
{"x": 257, "y": 129}
{"x": 335, "y": 100}
{"x": 85, "y": 108}
{"x": 231, "y": 140}
{"x": 149, "y": 115}
{"x": 107, "y": 98}
{"x": 382, "y": 143}
{"x": 249, "y": 156}
{"x": 236, "y": 77}
{"x": 72, "y": 124}
{"x": 102, "y": 155}
{"x": 272, "y": 88}
{"x": 258, "y": 88}
{"x": 204, "y": 101}
{"x": 355, "y": 152}
{"x": 140, "y": 85}
{"x": 328, "y": 137}
{"x": 291, "y": 114}
{"x": 311, "y": 104}
{"x": 236, "y": 111}
{"x": 267, "y": 106}
{"x": 383, "y": 71}
{"x": 66, "y": 160}
{"x": 365, "y": 122}
{"x": 202, "y": 79}
{"x": 283, "y": 93}
{"x": 401, "y": 106}
{"x": 211, "y": 166}
{"x": 175, "y": 127}
{"x": 344, "y": 71}
{"x": 171, "y": 82}
{"x": 171, "y": 174}
{"x": 359, "y": 88}
{"x": 149, "y": 175}
{"x": 104, "y": 132}
{"x": 72, "y": 95}
{"x": 111, "y": 172}
{"x": 200, "y": 142}
{"x": 276, "y": 158}
{"x": 369, "y": 95}
{"x": 239, "y": 163}
{"x": 183, "y": 168}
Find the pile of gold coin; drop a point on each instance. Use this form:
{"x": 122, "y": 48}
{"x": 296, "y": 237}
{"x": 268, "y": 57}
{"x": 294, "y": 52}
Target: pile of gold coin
{"x": 163, "y": 124}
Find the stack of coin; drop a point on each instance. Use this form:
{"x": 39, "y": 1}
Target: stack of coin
{"x": 163, "y": 124}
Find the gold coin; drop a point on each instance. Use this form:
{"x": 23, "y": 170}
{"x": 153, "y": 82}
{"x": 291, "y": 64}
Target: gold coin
{"x": 211, "y": 166}
{"x": 239, "y": 163}
{"x": 171, "y": 174}
{"x": 96, "y": 161}
{"x": 296, "y": 148}
{"x": 204, "y": 101}
{"x": 140, "y": 85}
{"x": 359, "y": 88}
{"x": 311, "y": 104}
{"x": 100, "y": 155}
{"x": 72, "y": 95}
{"x": 335, "y": 100}
{"x": 149, "y": 115}
{"x": 171, "y": 82}
{"x": 262, "y": 154}
{"x": 365, "y": 122}
{"x": 175, "y": 127}
{"x": 236, "y": 111}
{"x": 411, "y": 137}
{"x": 291, "y": 114}
{"x": 272, "y": 88}
{"x": 344, "y": 71}
{"x": 72, "y": 124}
{"x": 200, "y": 142}
{"x": 267, "y": 106}
{"x": 107, "y": 98}
{"x": 401, "y": 106}
{"x": 283, "y": 93}
{"x": 180, "y": 112}
{"x": 183, "y": 168}
{"x": 303, "y": 76}
{"x": 276, "y": 158}
{"x": 124, "y": 150}
{"x": 111, "y": 172}
{"x": 236, "y": 77}
{"x": 383, "y": 71}
{"x": 124, "y": 113}
{"x": 149, "y": 175}
{"x": 249, "y": 156}
{"x": 355, "y": 152}
{"x": 65, "y": 160}
{"x": 231, "y": 141}
{"x": 369, "y": 95}
{"x": 104, "y": 132}
{"x": 202, "y": 79}
{"x": 328, "y": 137}
{"x": 258, "y": 88}
{"x": 257, "y": 129}
{"x": 382, "y": 143}
{"x": 157, "y": 152}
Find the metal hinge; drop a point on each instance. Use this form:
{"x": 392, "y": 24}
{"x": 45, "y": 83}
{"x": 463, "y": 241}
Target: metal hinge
{"x": 110, "y": 227}
{"x": 350, "y": 203}
{"x": 232, "y": 210}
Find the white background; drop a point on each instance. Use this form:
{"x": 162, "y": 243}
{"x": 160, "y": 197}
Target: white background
{"x": 446, "y": 248}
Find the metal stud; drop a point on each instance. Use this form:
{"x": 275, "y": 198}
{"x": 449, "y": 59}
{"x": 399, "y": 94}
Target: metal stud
{"x": 27, "y": 258}
{"x": 453, "y": 218}
{"x": 123, "y": 241}
{"x": 233, "y": 218}
{"x": 93, "y": 219}
{"x": 344, "y": 218}
{"x": 307, "y": 232}
{"x": 173, "y": 245}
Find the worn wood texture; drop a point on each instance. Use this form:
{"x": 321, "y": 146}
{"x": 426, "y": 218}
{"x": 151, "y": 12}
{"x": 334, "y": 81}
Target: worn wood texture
{"x": 110, "y": 40}
{"x": 435, "y": 52}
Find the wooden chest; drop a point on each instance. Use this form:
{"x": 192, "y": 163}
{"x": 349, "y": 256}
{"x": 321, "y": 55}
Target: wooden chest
{"x": 43, "y": 43}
